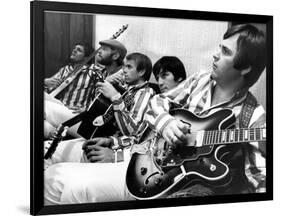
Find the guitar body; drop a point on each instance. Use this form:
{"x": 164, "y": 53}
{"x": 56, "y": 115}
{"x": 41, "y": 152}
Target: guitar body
{"x": 101, "y": 106}
{"x": 98, "y": 108}
{"x": 158, "y": 172}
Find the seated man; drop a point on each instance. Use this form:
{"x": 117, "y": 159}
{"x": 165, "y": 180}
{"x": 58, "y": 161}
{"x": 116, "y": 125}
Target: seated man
{"x": 236, "y": 68}
{"x": 81, "y": 87}
{"x": 76, "y": 97}
{"x": 169, "y": 72}
{"x": 137, "y": 71}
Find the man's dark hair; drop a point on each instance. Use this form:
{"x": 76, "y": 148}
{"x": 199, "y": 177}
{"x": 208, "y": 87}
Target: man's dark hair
{"x": 87, "y": 48}
{"x": 143, "y": 63}
{"x": 172, "y": 64}
{"x": 251, "y": 50}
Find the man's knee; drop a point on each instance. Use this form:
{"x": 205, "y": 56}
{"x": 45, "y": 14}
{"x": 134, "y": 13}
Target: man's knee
{"x": 55, "y": 179}
{"x": 63, "y": 185}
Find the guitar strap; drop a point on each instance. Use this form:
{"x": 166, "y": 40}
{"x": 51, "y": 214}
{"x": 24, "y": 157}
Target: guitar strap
{"x": 239, "y": 181}
{"x": 66, "y": 82}
{"x": 247, "y": 111}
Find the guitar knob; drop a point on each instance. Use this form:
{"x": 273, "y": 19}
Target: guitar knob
{"x": 213, "y": 167}
{"x": 158, "y": 181}
{"x": 143, "y": 190}
{"x": 143, "y": 171}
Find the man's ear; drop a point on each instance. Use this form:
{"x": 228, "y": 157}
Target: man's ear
{"x": 179, "y": 79}
{"x": 141, "y": 73}
{"x": 115, "y": 56}
{"x": 246, "y": 70}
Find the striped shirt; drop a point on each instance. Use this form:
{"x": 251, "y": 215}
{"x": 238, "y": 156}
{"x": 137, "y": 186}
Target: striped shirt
{"x": 130, "y": 117}
{"x": 195, "y": 94}
{"x": 79, "y": 92}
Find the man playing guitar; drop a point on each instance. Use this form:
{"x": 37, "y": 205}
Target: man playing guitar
{"x": 129, "y": 117}
{"x": 236, "y": 67}
{"x": 110, "y": 56}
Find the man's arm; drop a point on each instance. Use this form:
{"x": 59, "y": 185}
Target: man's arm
{"x": 54, "y": 81}
{"x": 158, "y": 117}
{"x": 256, "y": 165}
{"x": 131, "y": 120}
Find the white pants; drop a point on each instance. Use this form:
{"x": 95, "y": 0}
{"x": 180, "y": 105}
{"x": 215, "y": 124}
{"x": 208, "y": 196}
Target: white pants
{"x": 68, "y": 182}
{"x": 55, "y": 114}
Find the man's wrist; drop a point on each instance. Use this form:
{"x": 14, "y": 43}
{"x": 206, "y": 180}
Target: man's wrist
{"x": 118, "y": 155}
{"x": 162, "y": 121}
{"x": 114, "y": 145}
{"x": 115, "y": 97}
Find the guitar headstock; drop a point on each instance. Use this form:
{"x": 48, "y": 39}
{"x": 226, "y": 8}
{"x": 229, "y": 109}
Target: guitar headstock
{"x": 119, "y": 32}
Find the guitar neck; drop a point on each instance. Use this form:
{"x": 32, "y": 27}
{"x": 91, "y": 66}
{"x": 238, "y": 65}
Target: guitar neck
{"x": 230, "y": 136}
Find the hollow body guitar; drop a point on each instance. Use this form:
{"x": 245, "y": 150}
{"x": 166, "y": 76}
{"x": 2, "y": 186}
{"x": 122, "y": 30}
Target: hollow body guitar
{"x": 155, "y": 171}
{"x": 102, "y": 109}
{"x": 100, "y": 120}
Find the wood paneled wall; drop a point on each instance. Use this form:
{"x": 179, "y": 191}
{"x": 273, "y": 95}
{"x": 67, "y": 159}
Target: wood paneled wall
{"x": 62, "y": 32}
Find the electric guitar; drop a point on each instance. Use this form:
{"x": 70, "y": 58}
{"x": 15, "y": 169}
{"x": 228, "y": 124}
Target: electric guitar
{"x": 155, "y": 170}
{"x": 100, "y": 120}
{"x": 100, "y": 108}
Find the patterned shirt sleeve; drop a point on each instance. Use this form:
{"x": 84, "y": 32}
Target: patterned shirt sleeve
{"x": 130, "y": 121}
{"x": 59, "y": 75}
{"x": 255, "y": 164}
{"x": 157, "y": 115}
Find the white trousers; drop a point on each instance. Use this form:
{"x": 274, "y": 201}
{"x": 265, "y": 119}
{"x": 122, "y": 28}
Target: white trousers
{"x": 55, "y": 114}
{"x": 70, "y": 178}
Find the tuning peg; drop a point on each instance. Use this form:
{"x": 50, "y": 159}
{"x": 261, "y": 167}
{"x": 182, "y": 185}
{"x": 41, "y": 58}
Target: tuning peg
{"x": 64, "y": 132}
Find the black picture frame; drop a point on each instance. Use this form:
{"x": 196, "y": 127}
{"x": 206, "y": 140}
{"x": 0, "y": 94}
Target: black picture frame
{"x": 36, "y": 112}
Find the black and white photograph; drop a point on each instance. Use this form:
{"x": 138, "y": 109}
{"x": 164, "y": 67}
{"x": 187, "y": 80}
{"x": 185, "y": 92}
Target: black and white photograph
{"x": 144, "y": 107}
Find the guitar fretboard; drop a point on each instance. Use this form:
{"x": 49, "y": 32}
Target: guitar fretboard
{"x": 233, "y": 136}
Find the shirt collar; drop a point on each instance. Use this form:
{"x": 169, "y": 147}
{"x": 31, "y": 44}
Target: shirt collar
{"x": 138, "y": 86}
{"x": 237, "y": 97}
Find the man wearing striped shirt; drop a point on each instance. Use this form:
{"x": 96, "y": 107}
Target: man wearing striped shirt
{"x": 76, "y": 97}
{"x": 137, "y": 70}
{"x": 129, "y": 117}
{"x": 169, "y": 72}
{"x": 77, "y": 94}
{"x": 236, "y": 67}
